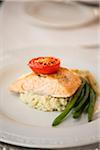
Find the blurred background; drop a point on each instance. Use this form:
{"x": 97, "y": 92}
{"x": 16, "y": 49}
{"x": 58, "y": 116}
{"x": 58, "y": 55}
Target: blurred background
{"x": 49, "y": 22}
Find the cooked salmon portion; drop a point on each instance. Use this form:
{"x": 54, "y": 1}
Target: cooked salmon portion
{"x": 63, "y": 83}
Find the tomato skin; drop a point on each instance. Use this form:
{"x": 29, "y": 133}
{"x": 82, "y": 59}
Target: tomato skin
{"x": 48, "y": 65}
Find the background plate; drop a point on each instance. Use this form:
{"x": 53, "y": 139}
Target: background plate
{"x": 58, "y": 14}
{"x": 25, "y": 126}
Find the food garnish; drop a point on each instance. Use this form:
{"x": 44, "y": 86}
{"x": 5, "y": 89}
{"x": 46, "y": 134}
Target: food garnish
{"x": 44, "y": 65}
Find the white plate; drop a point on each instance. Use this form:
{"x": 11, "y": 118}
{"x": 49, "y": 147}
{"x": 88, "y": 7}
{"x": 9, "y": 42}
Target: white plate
{"x": 25, "y": 126}
{"x": 58, "y": 14}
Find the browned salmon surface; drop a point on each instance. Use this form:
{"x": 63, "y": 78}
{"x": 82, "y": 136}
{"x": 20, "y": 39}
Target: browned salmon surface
{"x": 63, "y": 83}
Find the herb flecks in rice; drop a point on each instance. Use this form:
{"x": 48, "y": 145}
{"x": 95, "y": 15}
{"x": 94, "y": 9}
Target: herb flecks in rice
{"x": 44, "y": 103}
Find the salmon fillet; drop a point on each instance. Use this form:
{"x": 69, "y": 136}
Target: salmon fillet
{"x": 63, "y": 83}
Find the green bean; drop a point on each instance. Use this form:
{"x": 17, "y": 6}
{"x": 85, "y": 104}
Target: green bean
{"x": 86, "y": 108}
{"x": 91, "y": 104}
{"x": 77, "y": 114}
{"x": 80, "y": 98}
{"x": 69, "y": 106}
{"x": 83, "y": 101}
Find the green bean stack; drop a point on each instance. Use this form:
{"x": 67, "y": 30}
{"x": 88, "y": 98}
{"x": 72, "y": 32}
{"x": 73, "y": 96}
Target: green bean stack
{"x": 82, "y": 101}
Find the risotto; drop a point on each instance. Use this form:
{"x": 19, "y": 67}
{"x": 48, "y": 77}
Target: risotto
{"x": 44, "y": 103}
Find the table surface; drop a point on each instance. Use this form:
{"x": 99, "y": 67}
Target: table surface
{"x": 15, "y": 34}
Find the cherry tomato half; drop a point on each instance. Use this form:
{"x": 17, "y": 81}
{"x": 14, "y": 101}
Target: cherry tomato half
{"x": 44, "y": 65}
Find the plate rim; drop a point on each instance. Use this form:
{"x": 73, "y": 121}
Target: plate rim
{"x": 46, "y": 142}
